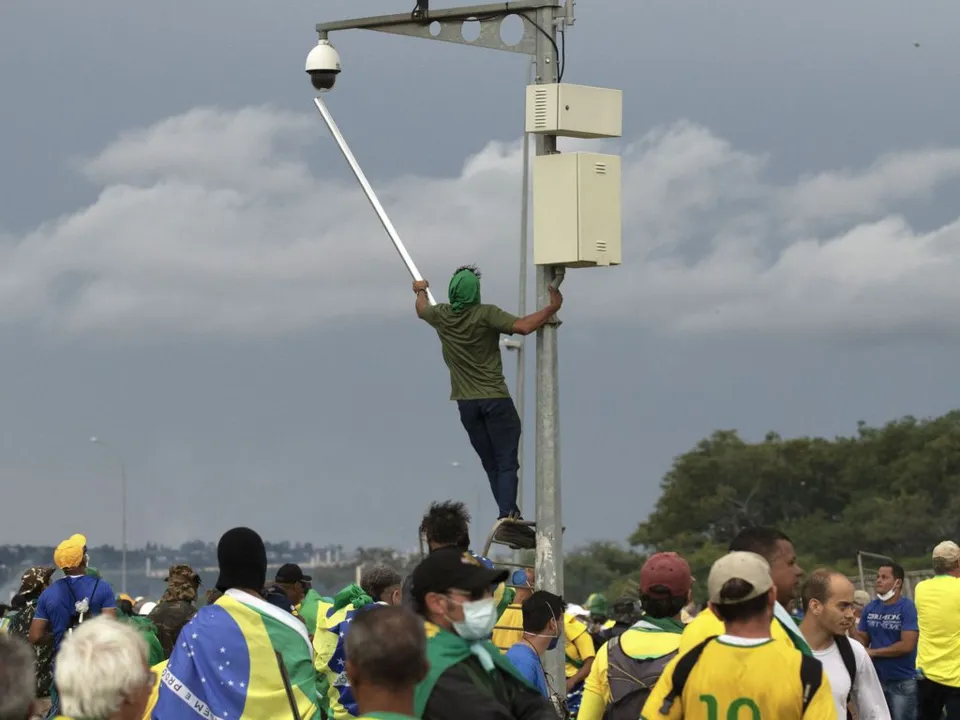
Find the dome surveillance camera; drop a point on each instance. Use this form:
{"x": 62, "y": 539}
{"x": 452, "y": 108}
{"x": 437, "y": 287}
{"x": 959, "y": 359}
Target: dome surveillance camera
{"x": 323, "y": 65}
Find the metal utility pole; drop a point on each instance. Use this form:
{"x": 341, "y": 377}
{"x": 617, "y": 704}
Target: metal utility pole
{"x": 549, "y": 565}
{"x": 540, "y": 20}
{"x": 519, "y": 346}
{"x": 123, "y": 510}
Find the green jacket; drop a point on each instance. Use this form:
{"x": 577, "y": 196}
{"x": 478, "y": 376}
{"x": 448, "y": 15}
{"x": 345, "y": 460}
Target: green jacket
{"x": 149, "y": 632}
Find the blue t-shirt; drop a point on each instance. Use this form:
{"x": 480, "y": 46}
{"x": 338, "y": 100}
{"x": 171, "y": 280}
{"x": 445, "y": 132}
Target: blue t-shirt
{"x": 527, "y": 663}
{"x": 56, "y": 603}
{"x": 884, "y": 623}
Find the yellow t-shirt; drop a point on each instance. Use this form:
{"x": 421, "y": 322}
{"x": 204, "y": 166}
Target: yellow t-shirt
{"x": 938, "y": 614}
{"x": 509, "y": 629}
{"x": 637, "y": 643}
{"x": 742, "y": 679}
{"x": 579, "y": 644}
{"x": 706, "y": 624}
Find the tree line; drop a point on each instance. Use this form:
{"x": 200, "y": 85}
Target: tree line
{"x": 889, "y": 490}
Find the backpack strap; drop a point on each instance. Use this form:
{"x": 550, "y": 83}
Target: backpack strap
{"x": 811, "y": 677}
{"x": 74, "y": 595}
{"x": 849, "y": 662}
{"x": 69, "y": 588}
{"x": 681, "y": 673}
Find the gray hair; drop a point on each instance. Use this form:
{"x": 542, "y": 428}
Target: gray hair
{"x": 387, "y": 648}
{"x": 18, "y": 678}
{"x": 99, "y": 665}
{"x": 376, "y": 580}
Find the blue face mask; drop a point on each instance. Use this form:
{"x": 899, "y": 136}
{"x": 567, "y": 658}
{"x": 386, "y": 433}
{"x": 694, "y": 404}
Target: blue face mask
{"x": 553, "y": 643}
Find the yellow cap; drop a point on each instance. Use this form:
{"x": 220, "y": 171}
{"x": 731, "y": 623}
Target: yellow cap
{"x": 69, "y": 553}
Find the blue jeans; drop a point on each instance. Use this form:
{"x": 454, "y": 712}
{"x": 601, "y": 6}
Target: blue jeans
{"x": 901, "y": 698}
{"x": 493, "y": 426}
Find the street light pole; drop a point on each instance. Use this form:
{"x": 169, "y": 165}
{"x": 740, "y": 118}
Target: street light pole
{"x": 549, "y": 563}
{"x": 539, "y": 40}
{"x": 123, "y": 510}
{"x": 521, "y": 380}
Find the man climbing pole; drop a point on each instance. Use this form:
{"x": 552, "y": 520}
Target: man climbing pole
{"x": 469, "y": 334}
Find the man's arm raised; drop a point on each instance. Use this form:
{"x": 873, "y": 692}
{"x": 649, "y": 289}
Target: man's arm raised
{"x": 534, "y": 321}
{"x": 420, "y": 288}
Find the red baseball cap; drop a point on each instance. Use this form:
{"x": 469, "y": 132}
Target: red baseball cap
{"x": 665, "y": 575}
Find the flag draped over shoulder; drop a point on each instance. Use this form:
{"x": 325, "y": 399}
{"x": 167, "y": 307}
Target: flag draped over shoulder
{"x": 330, "y": 656}
{"x": 313, "y": 609}
{"x": 226, "y": 667}
{"x": 793, "y": 632}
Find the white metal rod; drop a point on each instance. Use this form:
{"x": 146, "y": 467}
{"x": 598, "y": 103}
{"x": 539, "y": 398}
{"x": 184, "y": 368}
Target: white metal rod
{"x": 371, "y": 195}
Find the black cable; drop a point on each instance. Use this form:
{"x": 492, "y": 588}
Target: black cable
{"x": 561, "y": 56}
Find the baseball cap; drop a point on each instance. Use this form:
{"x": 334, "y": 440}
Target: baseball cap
{"x": 291, "y": 573}
{"x": 746, "y": 566}
{"x": 69, "y": 553}
{"x": 947, "y": 550}
{"x": 453, "y": 569}
{"x": 665, "y": 575}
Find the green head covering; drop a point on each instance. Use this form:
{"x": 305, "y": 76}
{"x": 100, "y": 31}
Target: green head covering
{"x": 352, "y": 594}
{"x": 597, "y": 605}
{"x": 464, "y": 290}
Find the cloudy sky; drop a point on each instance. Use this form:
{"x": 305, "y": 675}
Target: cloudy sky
{"x": 188, "y": 270}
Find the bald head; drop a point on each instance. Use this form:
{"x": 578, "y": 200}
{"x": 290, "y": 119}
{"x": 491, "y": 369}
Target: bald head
{"x": 828, "y": 599}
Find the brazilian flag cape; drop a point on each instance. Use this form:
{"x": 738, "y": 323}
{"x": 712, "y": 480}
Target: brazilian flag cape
{"x": 313, "y": 609}
{"x": 446, "y": 649}
{"x": 329, "y": 653}
{"x": 229, "y": 663}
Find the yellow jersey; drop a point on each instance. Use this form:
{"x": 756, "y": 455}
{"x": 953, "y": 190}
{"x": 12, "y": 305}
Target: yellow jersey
{"x": 706, "y": 624}
{"x": 938, "y": 614}
{"x": 509, "y": 629}
{"x": 641, "y": 641}
{"x": 579, "y": 645}
{"x": 741, "y": 679}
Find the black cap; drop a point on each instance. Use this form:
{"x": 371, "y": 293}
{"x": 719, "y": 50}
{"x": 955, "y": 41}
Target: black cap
{"x": 453, "y": 569}
{"x": 291, "y": 573}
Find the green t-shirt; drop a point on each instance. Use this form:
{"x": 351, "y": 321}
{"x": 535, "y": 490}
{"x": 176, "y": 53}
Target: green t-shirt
{"x": 385, "y": 716}
{"x": 471, "y": 348}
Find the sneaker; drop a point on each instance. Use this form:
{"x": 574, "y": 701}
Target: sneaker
{"x": 515, "y": 535}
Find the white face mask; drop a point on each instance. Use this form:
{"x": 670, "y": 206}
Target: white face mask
{"x": 479, "y": 619}
{"x": 887, "y": 595}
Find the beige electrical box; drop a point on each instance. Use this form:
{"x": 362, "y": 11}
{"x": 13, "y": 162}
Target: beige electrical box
{"x": 576, "y": 210}
{"x": 577, "y": 111}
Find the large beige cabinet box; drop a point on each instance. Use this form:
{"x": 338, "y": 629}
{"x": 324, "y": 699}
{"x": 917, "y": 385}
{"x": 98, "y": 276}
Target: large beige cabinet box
{"x": 576, "y": 111}
{"x": 576, "y": 210}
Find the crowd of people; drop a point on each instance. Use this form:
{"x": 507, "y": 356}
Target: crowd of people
{"x": 461, "y": 639}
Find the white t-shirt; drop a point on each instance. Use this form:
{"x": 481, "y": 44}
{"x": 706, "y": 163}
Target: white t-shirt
{"x": 867, "y": 694}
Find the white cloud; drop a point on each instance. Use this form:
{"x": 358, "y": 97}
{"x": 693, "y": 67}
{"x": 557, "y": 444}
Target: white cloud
{"x": 213, "y": 222}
